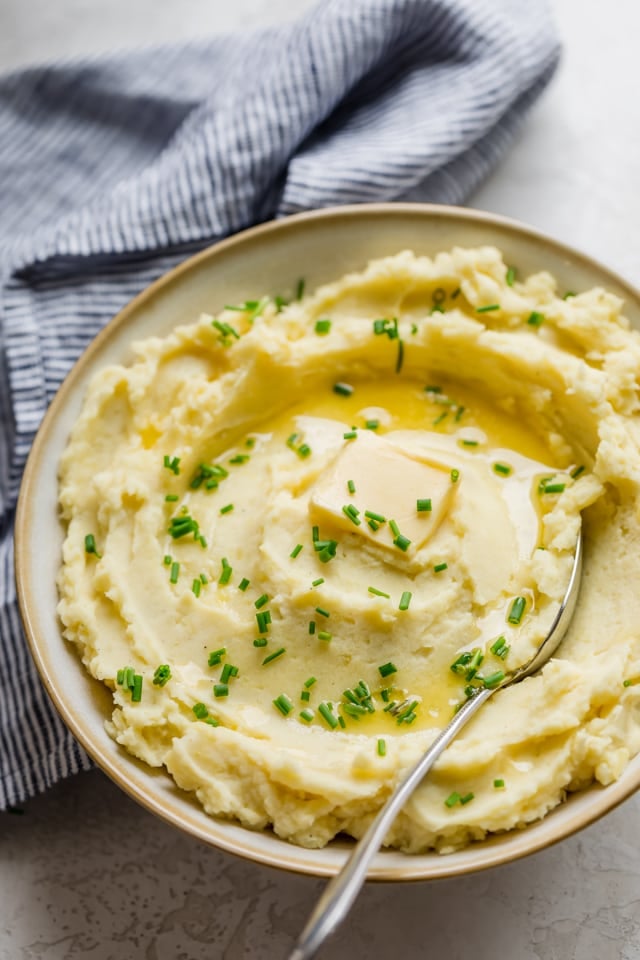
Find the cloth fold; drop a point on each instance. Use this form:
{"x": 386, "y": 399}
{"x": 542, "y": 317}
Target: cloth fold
{"x": 113, "y": 169}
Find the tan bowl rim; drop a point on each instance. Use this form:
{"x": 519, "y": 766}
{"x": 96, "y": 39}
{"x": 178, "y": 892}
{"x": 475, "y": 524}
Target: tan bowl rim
{"x": 524, "y": 843}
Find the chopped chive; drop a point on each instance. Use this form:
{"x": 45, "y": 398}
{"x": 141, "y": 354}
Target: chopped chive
{"x": 167, "y": 560}
{"x": 328, "y": 553}
{"x": 120, "y": 677}
{"x": 240, "y": 458}
{"x": 312, "y": 627}
{"x": 405, "y": 600}
{"x": 323, "y": 327}
{"x": 502, "y": 468}
{"x": 436, "y": 308}
{"x": 493, "y": 679}
{"x": 498, "y": 784}
{"x": 382, "y": 747}
{"x": 136, "y": 693}
{"x": 323, "y": 635}
{"x": 372, "y": 424}
{"x": 260, "y": 642}
{"x": 305, "y": 696}
{"x": 300, "y": 289}
{"x": 375, "y": 516}
{"x": 228, "y": 671}
{"x": 378, "y": 593}
{"x": 403, "y": 543}
{"x": 325, "y": 711}
{"x": 316, "y": 583}
{"x": 221, "y": 690}
{"x": 200, "y": 711}
{"x": 263, "y": 620}
{"x": 212, "y": 721}
{"x": 90, "y": 545}
{"x": 244, "y": 583}
{"x": 499, "y": 648}
{"x": 350, "y": 435}
{"x": 352, "y": 513}
{"x": 173, "y": 464}
{"x": 373, "y": 524}
{"x": 439, "y": 567}
{"x": 516, "y": 610}
{"x": 315, "y": 534}
{"x": 310, "y": 682}
{"x": 296, "y": 550}
{"x": 351, "y": 487}
{"x": 400, "y": 355}
{"x": 343, "y": 389}
{"x": 196, "y": 587}
{"x": 273, "y": 656}
{"x": 430, "y": 388}
{"x": 215, "y": 657}
{"x": 227, "y": 570}
{"x": 488, "y": 307}
{"x": 452, "y": 799}
{"x": 438, "y": 420}
{"x": 468, "y": 797}
{"x": 576, "y": 473}
{"x": 569, "y": 293}
{"x": 322, "y": 612}
{"x": 283, "y": 704}
{"x": 227, "y": 509}
{"x": 459, "y": 413}
{"x": 304, "y": 450}
{"x": 551, "y": 487}
{"x": 307, "y": 715}
{"x": 175, "y": 572}
{"x": 395, "y": 529}
{"x": 535, "y": 319}
{"x": 511, "y": 276}
{"x": 260, "y": 602}
{"x": 250, "y": 442}
{"x": 341, "y": 722}
{"x": 469, "y": 443}
{"x": 455, "y": 476}
{"x": 424, "y": 506}
{"x": 171, "y": 498}
{"x": 387, "y": 669}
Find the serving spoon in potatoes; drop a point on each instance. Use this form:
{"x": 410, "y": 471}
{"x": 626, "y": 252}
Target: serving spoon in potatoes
{"x": 340, "y": 893}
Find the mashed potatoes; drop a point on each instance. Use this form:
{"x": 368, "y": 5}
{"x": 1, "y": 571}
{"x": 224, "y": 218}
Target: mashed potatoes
{"x": 300, "y": 536}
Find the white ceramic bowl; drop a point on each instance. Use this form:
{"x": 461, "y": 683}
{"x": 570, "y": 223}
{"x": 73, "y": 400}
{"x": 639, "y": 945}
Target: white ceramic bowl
{"x": 319, "y": 246}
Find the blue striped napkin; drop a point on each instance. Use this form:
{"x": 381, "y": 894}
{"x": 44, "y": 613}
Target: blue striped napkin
{"x": 114, "y": 169}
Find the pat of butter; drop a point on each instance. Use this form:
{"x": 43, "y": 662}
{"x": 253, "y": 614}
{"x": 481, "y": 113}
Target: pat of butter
{"x": 388, "y": 482}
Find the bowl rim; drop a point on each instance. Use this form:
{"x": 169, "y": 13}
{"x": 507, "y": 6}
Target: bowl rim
{"x": 524, "y": 841}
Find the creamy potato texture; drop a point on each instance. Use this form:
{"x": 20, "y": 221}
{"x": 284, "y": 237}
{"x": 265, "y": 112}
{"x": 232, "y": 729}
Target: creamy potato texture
{"x": 299, "y": 536}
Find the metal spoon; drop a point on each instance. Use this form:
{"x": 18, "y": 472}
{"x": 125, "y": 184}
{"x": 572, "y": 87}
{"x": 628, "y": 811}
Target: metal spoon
{"x": 342, "y": 890}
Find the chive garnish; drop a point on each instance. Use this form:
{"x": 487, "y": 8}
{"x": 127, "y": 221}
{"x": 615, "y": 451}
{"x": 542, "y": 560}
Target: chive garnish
{"x": 325, "y": 711}
{"x": 323, "y": 327}
{"x": 171, "y": 498}
{"x": 499, "y": 648}
{"x": 136, "y": 692}
{"x": 455, "y": 476}
{"x": 228, "y": 672}
{"x": 351, "y": 487}
{"x": 395, "y": 529}
{"x": 498, "y": 784}
{"x": 375, "y": 516}
{"x": 459, "y": 413}
{"x": 260, "y": 642}
{"x": 468, "y": 797}
{"x": 568, "y": 294}
{"x": 167, "y": 560}
{"x": 316, "y": 583}
{"x": 387, "y": 669}
{"x": 352, "y": 513}
{"x": 403, "y": 543}
{"x": 578, "y": 470}
{"x": 221, "y": 690}
{"x": 196, "y": 587}
{"x": 200, "y": 711}
{"x": 240, "y": 458}
{"x": 322, "y": 612}
{"x": 310, "y": 682}
{"x": 173, "y": 464}
{"x": 283, "y": 704}
{"x": 468, "y": 443}
{"x": 439, "y": 567}
{"x": 535, "y": 319}
{"x": 378, "y": 593}
{"x": 400, "y": 355}
{"x": 215, "y": 657}
{"x": 488, "y": 308}
{"x": 312, "y": 627}
{"x": 423, "y": 506}
{"x": 438, "y": 420}
{"x": 273, "y": 656}
{"x": 343, "y": 389}
{"x": 226, "y": 509}
{"x": 162, "y": 675}
{"x": 296, "y": 550}
{"x": 493, "y": 679}
{"x": 452, "y": 799}
{"x": 502, "y": 468}
{"x": 307, "y": 715}
{"x": 511, "y": 276}
{"x": 120, "y": 677}
{"x": 382, "y": 747}
{"x": 372, "y": 424}
{"x": 517, "y": 609}
{"x": 227, "y": 570}
{"x": 374, "y": 525}
{"x": 324, "y": 635}
{"x": 90, "y": 545}
{"x": 244, "y": 583}
{"x": 263, "y": 620}
{"x": 300, "y": 289}
{"x": 548, "y": 485}
{"x": 350, "y": 435}
{"x": 260, "y": 602}
{"x": 175, "y": 572}
{"x": 305, "y": 696}
{"x": 405, "y": 600}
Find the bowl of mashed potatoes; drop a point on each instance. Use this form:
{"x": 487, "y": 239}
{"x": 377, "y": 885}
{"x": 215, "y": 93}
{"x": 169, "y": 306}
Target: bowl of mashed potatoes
{"x": 308, "y": 492}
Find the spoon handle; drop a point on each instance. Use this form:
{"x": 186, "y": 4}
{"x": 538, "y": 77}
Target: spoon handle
{"x": 342, "y": 890}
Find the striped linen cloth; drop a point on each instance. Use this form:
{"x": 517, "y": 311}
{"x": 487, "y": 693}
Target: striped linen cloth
{"x": 114, "y": 169}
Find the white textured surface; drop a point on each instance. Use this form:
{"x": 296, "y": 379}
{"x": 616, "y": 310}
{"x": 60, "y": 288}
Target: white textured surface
{"x": 85, "y": 872}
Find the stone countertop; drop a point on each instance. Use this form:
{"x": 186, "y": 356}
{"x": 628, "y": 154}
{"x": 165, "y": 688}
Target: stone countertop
{"x": 84, "y": 871}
